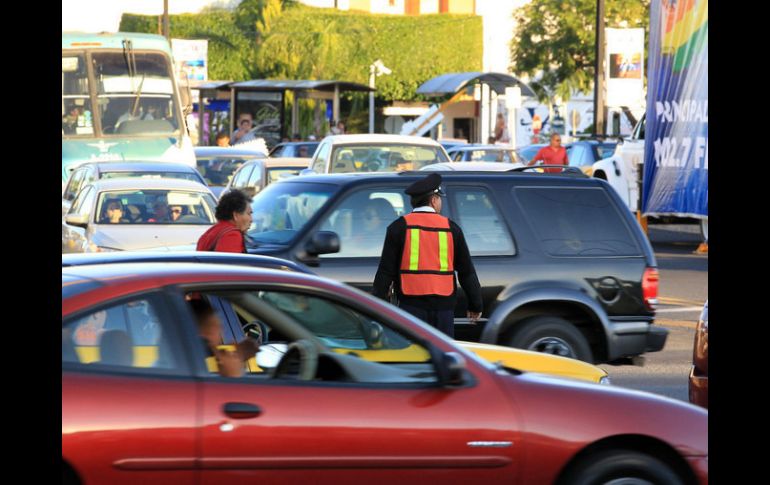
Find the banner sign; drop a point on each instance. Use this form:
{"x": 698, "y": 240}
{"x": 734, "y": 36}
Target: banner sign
{"x": 625, "y": 67}
{"x": 676, "y": 139}
{"x": 191, "y": 56}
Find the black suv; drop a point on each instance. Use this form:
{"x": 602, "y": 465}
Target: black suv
{"x": 564, "y": 266}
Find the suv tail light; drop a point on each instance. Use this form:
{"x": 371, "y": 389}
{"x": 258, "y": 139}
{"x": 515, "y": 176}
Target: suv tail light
{"x": 650, "y": 288}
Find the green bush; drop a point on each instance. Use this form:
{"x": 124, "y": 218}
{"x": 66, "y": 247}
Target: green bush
{"x": 231, "y": 54}
{"x": 316, "y": 43}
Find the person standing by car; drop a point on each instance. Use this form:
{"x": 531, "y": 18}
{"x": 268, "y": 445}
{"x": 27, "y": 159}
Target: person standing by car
{"x": 553, "y": 154}
{"x": 244, "y": 133}
{"x": 233, "y": 214}
{"x": 422, "y": 251}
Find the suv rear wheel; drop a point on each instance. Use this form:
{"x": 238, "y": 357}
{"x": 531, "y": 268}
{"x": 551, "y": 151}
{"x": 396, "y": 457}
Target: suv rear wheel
{"x": 624, "y": 467}
{"x": 551, "y": 335}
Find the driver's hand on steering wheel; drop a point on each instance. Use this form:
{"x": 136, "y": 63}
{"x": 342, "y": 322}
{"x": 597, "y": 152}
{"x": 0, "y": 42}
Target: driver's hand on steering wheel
{"x": 247, "y": 348}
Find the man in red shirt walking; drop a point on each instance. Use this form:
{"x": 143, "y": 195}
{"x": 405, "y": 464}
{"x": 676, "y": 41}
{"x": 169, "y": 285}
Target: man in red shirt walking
{"x": 553, "y": 154}
{"x": 234, "y": 215}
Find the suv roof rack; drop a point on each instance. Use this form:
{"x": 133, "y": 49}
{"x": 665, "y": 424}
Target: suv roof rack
{"x": 565, "y": 170}
{"x": 570, "y": 171}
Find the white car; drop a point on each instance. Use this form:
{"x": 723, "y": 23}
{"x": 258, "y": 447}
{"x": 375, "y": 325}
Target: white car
{"x": 375, "y": 153}
{"x": 621, "y": 170}
{"x": 133, "y": 213}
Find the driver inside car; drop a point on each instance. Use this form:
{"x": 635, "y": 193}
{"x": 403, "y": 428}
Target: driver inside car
{"x": 228, "y": 363}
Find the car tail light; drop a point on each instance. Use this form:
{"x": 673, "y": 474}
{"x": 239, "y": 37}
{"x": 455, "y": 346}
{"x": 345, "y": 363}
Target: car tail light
{"x": 650, "y": 288}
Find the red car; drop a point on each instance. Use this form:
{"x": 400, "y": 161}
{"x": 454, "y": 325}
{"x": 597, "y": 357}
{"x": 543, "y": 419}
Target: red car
{"x": 699, "y": 372}
{"x": 362, "y": 392}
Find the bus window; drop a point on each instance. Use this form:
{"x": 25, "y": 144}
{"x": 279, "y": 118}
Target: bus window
{"x": 135, "y": 97}
{"x": 76, "y": 116}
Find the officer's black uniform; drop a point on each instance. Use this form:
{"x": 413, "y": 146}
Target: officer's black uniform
{"x": 435, "y": 310}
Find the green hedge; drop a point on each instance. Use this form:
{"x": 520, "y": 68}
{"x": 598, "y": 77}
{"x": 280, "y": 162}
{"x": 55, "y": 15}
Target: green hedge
{"x": 231, "y": 54}
{"x": 318, "y": 43}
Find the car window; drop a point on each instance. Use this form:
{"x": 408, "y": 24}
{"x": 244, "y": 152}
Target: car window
{"x": 576, "y": 222}
{"x": 477, "y": 215}
{"x": 255, "y": 179}
{"x": 277, "y": 151}
{"x": 240, "y": 178}
{"x": 392, "y": 356}
{"x": 155, "y": 206}
{"x": 128, "y": 336}
{"x": 639, "y": 129}
{"x": 577, "y": 156}
{"x": 391, "y": 157}
{"x": 277, "y": 173}
{"x": 361, "y": 220}
{"x": 319, "y": 164}
{"x": 217, "y": 172}
{"x": 84, "y": 202}
{"x": 456, "y": 156}
{"x": 74, "y": 184}
{"x": 282, "y": 210}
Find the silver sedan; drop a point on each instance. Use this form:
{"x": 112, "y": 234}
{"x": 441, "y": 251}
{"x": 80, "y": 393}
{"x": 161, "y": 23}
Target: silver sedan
{"x": 131, "y": 214}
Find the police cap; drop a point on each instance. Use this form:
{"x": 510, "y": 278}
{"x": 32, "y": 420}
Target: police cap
{"x": 429, "y": 185}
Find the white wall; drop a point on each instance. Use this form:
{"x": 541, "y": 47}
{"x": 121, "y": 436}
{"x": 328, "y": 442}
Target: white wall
{"x": 383, "y": 6}
{"x": 498, "y": 24}
{"x": 428, "y": 6}
{"x": 324, "y": 3}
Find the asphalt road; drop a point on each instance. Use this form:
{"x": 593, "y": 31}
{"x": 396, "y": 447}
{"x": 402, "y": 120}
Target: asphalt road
{"x": 683, "y": 290}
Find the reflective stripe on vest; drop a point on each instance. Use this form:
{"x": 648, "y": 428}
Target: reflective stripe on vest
{"x": 427, "y": 263}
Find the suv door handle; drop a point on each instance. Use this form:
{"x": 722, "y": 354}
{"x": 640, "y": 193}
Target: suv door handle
{"x": 241, "y": 410}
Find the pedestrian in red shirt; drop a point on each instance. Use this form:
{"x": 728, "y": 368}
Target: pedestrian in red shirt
{"x": 553, "y": 154}
{"x": 234, "y": 215}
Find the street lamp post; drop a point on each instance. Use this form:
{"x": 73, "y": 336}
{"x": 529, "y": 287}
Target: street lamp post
{"x": 376, "y": 69}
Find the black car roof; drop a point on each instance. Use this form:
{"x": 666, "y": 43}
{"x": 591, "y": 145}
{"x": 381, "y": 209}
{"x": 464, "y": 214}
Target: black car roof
{"x": 511, "y": 177}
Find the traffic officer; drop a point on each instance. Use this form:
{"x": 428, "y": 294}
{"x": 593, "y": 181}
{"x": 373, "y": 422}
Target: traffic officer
{"x": 422, "y": 251}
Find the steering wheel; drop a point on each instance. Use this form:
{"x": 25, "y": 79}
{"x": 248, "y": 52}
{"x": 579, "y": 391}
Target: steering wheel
{"x": 299, "y": 362}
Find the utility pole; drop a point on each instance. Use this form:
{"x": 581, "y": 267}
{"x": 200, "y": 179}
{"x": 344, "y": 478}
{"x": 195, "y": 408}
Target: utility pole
{"x": 599, "y": 75}
{"x": 165, "y": 20}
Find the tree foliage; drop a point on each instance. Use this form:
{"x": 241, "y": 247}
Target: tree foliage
{"x": 276, "y": 39}
{"x": 314, "y": 43}
{"x": 558, "y": 38}
{"x": 231, "y": 54}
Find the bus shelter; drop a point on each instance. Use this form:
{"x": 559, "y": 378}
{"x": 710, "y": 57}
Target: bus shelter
{"x": 265, "y": 99}
{"x": 470, "y": 111}
{"x": 213, "y": 109}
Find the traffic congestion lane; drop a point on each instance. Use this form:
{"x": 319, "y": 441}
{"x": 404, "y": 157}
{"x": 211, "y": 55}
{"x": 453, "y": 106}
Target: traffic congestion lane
{"x": 664, "y": 373}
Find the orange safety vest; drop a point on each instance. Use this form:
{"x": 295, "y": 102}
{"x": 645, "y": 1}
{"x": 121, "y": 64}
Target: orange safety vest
{"x": 427, "y": 263}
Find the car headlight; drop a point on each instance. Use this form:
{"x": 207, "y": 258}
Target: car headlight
{"x": 605, "y": 381}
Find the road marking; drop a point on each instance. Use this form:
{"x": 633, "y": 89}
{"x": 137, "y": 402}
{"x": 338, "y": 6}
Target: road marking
{"x": 678, "y": 301}
{"x": 674, "y": 323}
{"x": 685, "y": 309}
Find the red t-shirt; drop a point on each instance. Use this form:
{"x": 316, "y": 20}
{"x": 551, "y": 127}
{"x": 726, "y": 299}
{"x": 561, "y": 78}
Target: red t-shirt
{"x": 223, "y": 237}
{"x": 549, "y": 156}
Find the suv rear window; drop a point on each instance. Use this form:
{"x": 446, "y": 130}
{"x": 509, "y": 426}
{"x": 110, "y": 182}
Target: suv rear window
{"x": 576, "y": 222}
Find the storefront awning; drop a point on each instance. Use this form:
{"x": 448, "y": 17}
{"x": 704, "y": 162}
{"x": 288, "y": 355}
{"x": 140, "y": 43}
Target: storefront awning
{"x": 454, "y": 82}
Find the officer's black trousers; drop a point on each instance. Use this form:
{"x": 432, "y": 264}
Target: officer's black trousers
{"x": 443, "y": 320}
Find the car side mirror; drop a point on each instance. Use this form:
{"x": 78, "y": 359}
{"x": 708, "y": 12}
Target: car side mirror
{"x": 78, "y": 220}
{"x": 451, "y": 368}
{"x": 323, "y": 242}
{"x": 374, "y": 335}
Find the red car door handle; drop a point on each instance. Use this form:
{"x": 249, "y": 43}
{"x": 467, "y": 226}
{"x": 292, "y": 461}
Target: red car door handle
{"x": 242, "y": 410}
